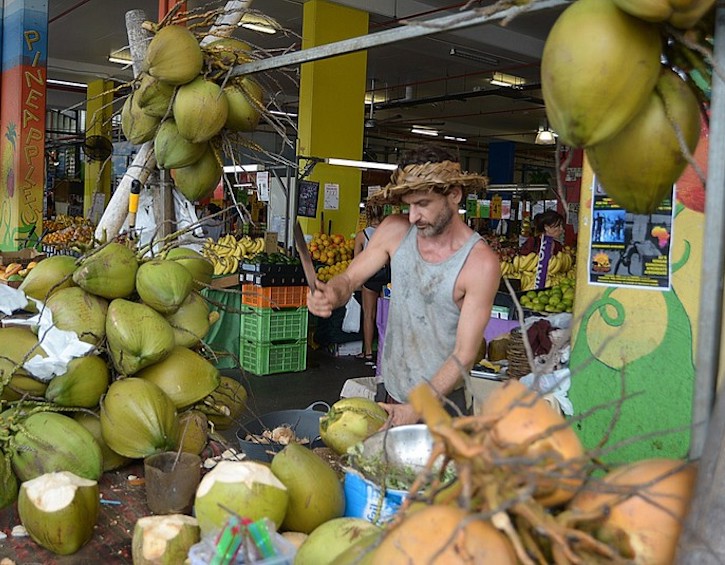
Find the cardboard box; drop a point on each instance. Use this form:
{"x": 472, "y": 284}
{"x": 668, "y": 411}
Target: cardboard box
{"x": 227, "y": 281}
{"x": 24, "y": 256}
{"x": 270, "y": 242}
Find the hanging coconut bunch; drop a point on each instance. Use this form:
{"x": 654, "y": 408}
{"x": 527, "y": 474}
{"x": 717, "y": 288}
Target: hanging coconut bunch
{"x": 187, "y": 102}
{"x": 626, "y": 81}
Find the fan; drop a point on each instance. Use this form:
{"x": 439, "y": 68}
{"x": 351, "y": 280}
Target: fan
{"x": 97, "y": 147}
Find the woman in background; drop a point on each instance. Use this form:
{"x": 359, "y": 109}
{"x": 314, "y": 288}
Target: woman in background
{"x": 372, "y": 288}
{"x": 548, "y": 224}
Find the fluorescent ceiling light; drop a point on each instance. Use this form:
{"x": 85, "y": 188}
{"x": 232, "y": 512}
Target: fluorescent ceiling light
{"x": 119, "y": 60}
{"x": 424, "y": 131}
{"x": 66, "y": 83}
{"x": 473, "y": 55}
{"x": 509, "y": 81}
{"x": 454, "y": 138}
{"x": 360, "y": 164}
{"x": 281, "y": 113}
{"x": 243, "y": 168}
{"x": 258, "y": 22}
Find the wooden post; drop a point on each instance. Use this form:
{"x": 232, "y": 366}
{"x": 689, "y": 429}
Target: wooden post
{"x": 144, "y": 162}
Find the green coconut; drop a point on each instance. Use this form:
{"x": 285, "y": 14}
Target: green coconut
{"x": 163, "y": 285}
{"x": 193, "y": 432}
{"x": 246, "y": 103}
{"x": 137, "y": 126}
{"x": 59, "y": 510}
{"x": 198, "y": 180}
{"x": 246, "y": 488}
{"x": 19, "y": 344}
{"x": 350, "y": 421}
{"x": 191, "y": 321}
{"x": 638, "y": 166}
{"x": 229, "y": 51}
{"x": 329, "y": 540}
{"x": 315, "y": 492}
{"x": 200, "y": 267}
{"x": 226, "y": 404}
{"x": 48, "y": 276}
{"x": 138, "y": 336}
{"x": 163, "y": 540}
{"x": 48, "y": 442}
{"x": 185, "y": 376}
{"x": 200, "y": 110}
{"x": 154, "y": 97}
{"x": 82, "y": 385}
{"x": 110, "y": 272}
{"x": 78, "y": 311}
{"x": 92, "y": 422}
{"x": 138, "y": 419}
{"x": 173, "y": 55}
{"x": 172, "y": 150}
{"x": 9, "y": 485}
{"x": 362, "y": 552}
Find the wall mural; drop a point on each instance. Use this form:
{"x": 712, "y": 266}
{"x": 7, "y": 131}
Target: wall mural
{"x": 640, "y": 343}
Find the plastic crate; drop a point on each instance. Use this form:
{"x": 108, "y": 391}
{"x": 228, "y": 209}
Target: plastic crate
{"x": 266, "y": 325}
{"x": 274, "y": 296}
{"x": 270, "y": 358}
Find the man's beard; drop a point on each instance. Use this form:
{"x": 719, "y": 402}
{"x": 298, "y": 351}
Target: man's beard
{"x": 439, "y": 224}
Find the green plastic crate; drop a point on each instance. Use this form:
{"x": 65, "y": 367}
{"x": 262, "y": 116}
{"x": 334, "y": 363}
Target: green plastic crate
{"x": 270, "y": 358}
{"x": 266, "y": 325}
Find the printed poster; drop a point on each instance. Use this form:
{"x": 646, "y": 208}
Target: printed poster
{"x": 332, "y": 196}
{"x": 627, "y": 249}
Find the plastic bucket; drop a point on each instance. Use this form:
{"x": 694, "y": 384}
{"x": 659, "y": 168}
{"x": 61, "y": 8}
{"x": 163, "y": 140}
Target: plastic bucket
{"x": 305, "y": 424}
{"x": 170, "y": 483}
{"x": 364, "y": 499}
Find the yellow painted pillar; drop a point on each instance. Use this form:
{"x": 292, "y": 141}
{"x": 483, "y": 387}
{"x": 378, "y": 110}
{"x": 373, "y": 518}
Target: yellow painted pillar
{"x": 99, "y": 111}
{"x": 332, "y": 111}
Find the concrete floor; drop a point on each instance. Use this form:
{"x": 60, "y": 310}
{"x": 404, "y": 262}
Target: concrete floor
{"x": 323, "y": 380}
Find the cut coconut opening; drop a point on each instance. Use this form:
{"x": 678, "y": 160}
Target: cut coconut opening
{"x": 159, "y": 530}
{"x": 54, "y": 491}
{"x": 247, "y": 473}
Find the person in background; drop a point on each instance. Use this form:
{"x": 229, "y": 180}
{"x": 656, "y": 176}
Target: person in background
{"x": 212, "y": 222}
{"x": 444, "y": 280}
{"x": 371, "y": 288}
{"x": 549, "y": 229}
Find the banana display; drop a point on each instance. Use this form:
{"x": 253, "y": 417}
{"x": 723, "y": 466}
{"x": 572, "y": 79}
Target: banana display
{"x": 523, "y": 267}
{"x": 226, "y": 253}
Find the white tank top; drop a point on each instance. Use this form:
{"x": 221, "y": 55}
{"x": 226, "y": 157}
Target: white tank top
{"x": 420, "y": 333}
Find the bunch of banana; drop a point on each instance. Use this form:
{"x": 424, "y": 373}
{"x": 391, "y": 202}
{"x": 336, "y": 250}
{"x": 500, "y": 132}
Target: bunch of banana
{"x": 226, "y": 253}
{"x": 508, "y": 270}
{"x": 525, "y": 262}
{"x": 560, "y": 263}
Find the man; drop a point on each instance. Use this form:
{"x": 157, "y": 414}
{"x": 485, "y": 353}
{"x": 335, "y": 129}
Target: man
{"x": 444, "y": 279}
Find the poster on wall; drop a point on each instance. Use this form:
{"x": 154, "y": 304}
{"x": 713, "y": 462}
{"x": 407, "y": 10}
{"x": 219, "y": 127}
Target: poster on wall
{"x": 332, "y": 196}
{"x": 627, "y": 249}
{"x": 307, "y": 194}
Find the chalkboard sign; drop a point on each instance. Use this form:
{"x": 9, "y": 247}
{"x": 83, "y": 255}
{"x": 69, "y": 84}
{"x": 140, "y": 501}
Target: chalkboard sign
{"x": 307, "y": 194}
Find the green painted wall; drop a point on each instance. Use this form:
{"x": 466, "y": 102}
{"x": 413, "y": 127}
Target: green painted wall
{"x": 639, "y": 344}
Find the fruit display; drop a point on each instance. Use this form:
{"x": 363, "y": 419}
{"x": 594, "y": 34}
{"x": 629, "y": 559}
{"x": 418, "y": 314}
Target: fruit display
{"x": 524, "y": 267}
{"x": 15, "y": 272}
{"x": 228, "y": 252}
{"x": 331, "y": 249}
{"x": 558, "y": 298}
{"x": 619, "y": 79}
{"x": 187, "y": 105}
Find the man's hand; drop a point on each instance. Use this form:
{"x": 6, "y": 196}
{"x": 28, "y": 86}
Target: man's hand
{"x": 321, "y": 302}
{"x": 399, "y": 415}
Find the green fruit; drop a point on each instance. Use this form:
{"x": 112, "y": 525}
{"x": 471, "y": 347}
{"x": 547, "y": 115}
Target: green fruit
{"x": 598, "y": 69}
{"x": 333, "y": 538}
{"x": 350, "y": 421}
{"x": 638, "y": 166}
{"x": 163, "y": 540}
{"x": 315, "y": 493}
{"x": 173, "y": 55}
{"x": 15, "y": 278}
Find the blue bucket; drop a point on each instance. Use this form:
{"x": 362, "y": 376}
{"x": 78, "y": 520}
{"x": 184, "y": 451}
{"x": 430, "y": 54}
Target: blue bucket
{"x": 364, "y": 499}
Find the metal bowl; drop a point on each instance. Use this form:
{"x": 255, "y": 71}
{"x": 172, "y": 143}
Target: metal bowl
{"x": 400, "y": 447}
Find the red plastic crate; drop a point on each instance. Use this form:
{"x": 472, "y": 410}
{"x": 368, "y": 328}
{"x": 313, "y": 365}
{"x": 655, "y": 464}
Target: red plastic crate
{"x": 274, "y": 296}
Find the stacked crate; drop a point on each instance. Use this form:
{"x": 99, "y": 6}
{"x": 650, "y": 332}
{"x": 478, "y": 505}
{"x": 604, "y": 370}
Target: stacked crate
{"x": 274, "y": 319}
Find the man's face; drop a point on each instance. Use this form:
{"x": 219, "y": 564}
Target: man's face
{"x": 431, "y": 212}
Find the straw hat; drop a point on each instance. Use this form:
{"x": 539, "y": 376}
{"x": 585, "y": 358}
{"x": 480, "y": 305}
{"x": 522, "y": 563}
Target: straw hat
{"x": 429, "y": 176}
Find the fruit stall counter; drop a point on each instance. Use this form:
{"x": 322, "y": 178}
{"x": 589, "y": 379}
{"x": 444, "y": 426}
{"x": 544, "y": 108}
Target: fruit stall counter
{"x": 123, "y": 501}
